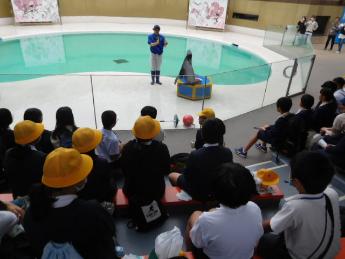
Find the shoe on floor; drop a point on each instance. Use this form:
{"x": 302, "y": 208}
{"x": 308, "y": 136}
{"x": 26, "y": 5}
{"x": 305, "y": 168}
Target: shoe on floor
{"x": 338, "y": 52}
{"x": 159, "y": 82}
{"x": 262, "y": 148}
{"x": 240, "y": 152}
{"x": 152, "y": 83}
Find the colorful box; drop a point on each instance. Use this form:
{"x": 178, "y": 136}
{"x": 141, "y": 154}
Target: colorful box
{"x": 202, "y": 90}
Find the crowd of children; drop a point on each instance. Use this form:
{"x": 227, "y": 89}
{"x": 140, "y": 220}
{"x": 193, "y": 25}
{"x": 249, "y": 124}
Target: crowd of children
{"x": 63, "y": 182}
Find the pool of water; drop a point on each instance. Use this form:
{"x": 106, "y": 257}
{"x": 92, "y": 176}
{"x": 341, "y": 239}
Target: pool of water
{"x": 40, "y": 56}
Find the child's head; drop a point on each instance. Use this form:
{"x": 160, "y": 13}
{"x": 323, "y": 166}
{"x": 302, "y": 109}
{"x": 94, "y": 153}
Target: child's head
{"x": 284, "y": 104}
{"x": 235, "y": 185}
{"x": 5, "y": 118}
{"x": 213, "y": 131}
{"x": 33, "y": 114}
{"x": 206, "y": 113}
{"x": 307, "y": 101}
{"x": 340, "y": 82}
{"x": 331, "y": 85}
{"x": 311, "y": 172}
{"x": 149, "y": 111}
{"x": 326, "y": 95}
{"x": 109, "y": 119}
{"x": 64, "y": 117}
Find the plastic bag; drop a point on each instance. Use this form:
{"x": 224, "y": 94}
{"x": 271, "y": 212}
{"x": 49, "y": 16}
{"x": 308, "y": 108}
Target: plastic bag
{"x": 169, "y": 244}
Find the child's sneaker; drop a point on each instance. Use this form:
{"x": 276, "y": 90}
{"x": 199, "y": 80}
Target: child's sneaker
{"x": 240, "y": 152}
{"x": 262, "y": 148}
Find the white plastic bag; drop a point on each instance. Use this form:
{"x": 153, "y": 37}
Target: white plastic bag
{"x": 169, "y": 244}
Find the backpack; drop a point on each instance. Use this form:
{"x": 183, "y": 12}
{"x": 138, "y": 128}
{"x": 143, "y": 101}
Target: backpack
{"x": 178, "y": 162}
{"x": 54, "y": 250}
{"x": 145, "y": 215}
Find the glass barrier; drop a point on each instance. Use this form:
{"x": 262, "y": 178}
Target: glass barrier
{"x": 230, "y": 93}
{"x": 278, "y": 82}
{"x": 288, "y": 42}
{"x": 274, "y": 35}
{"x": 48, "y": 93}
{"x": 236, "y": 99}
{"x": 289, "y": 35}
{"x": 302, "y": 73}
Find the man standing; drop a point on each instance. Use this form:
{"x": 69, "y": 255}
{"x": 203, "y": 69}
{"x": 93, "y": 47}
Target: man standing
{"x": 332, "y": 33}
{"x": 311, "y": 26}
{"x": 157, "y": 42}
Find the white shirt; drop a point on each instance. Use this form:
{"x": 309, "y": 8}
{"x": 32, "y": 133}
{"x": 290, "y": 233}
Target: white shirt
{"x": 109, "y": 145}
{"x": 64, "y": 200}
{"x": 339, "y": 95}
{"x": 311, "y": 26}
{"x": 302, "y": 218}
{"x": 228, "y": 233}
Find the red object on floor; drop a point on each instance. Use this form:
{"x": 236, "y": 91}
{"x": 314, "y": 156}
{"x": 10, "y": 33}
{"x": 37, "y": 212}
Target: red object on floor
{"x": 6, "y": 197}
{"x": 276, "y": 195}
{"x": 341, "y": 254}
{"x": 170, "y": 198}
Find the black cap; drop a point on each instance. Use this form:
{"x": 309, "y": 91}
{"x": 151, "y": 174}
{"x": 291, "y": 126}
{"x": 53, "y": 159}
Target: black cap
{"x": 156, "y": 27}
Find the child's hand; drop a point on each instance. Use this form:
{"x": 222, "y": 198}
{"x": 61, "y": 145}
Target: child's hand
{"x": 19, "y": 212}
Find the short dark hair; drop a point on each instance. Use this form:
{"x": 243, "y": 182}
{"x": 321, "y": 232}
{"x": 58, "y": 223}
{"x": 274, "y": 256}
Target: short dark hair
{"x": 327, "y": 93}
{"x": 307, "y": 101}
{"x": 33, "y": 114}
{"x": 284, "y": 103}
{"x": 149, "y": 111}
{"x": 330, "y": 85}
{"x": 234, "y": 185}
{"x": 213, "y": 131}
{"x": 313, "y": 169}
{"x": 5, "y": 118}
{"x": 339, "y": 81}
{"x": 108, "y": 118}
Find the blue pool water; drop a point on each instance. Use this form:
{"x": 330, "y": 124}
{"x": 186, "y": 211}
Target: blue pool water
{"x": 41, "y": 56}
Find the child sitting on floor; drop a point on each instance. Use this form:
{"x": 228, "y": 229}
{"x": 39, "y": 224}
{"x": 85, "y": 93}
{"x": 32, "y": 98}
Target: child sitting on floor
{"x": 234, "y": 229}
{"x": 308, "y": 225}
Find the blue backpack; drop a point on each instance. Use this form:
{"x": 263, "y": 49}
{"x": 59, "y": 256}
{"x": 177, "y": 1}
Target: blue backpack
{"x": 60, "y": 251}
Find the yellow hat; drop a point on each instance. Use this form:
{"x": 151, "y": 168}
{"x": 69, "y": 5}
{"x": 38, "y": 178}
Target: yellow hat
{"x": 208, "y": 113}
{"x": 65, "y": 167}
{"x": 146, "y": 128}
{"x": 268, "y": 177}
{"x": 26, "y": 132}
{"x": 86, "y": 139}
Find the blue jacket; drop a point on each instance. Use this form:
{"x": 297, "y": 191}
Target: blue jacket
{"x": 159, "y": 48}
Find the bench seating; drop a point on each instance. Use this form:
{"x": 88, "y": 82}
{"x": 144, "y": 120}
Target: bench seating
{"x": 171, "y": 200}
{"x": 7, "y": 197}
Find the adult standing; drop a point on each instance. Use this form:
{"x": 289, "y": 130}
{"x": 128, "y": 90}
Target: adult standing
{"x": 341, "y": 37}
{"x": 332, "y": 33}
{"x": 311, "y": 26}
{"x": 301, "y": 25}
{"x": 157, "y": 43}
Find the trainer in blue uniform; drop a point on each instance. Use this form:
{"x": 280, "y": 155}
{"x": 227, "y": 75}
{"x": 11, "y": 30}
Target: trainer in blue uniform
{"x": 157, "y": 43}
